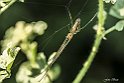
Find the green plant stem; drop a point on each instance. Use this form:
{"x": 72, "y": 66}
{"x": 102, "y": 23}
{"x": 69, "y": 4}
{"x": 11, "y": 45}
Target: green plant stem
{"x": 109, "y": 30}
{"x": 99, "y": 36}
{"x": 7, "y": 6}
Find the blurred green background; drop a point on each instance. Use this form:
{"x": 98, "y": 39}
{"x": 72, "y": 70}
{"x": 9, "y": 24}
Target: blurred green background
{"x": 109, "y": 62}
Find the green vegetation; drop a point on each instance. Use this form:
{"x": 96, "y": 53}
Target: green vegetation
{"x": 23, "y": 36}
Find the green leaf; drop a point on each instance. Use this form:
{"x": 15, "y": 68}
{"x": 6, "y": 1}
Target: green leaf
{"x": 30, "y": 49}
{"x": 55, "y": 72}
{"x": 27, "y": 72}
{"x": 118, "y": 9}
{"x": 119, "y": 25}
{"x": 6, "y": 60}
{"x": 41, "y": 59}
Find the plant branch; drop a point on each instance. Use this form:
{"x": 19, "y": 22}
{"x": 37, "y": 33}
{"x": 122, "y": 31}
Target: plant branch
{"x": 109, "y": 30}
{"x": 99, "y": 36}
{"x": 7, "y": 6}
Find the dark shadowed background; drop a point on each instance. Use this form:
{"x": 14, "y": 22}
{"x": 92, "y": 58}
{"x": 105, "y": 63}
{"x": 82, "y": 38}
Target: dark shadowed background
{"x": 109, "y": 61}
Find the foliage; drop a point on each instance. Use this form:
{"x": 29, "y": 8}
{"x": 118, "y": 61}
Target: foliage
{"x": 5, "y": 4}
{"x": 23, "y": 35}
{"x": 118, "y": 9}
{"x": 6, "y": 61}
{"x": 23, "y": 32}
{"x": 101, "y": 33}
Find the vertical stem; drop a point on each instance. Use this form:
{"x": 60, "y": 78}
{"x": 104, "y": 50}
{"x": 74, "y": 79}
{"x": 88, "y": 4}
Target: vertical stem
{"x": 96, "y": 44}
